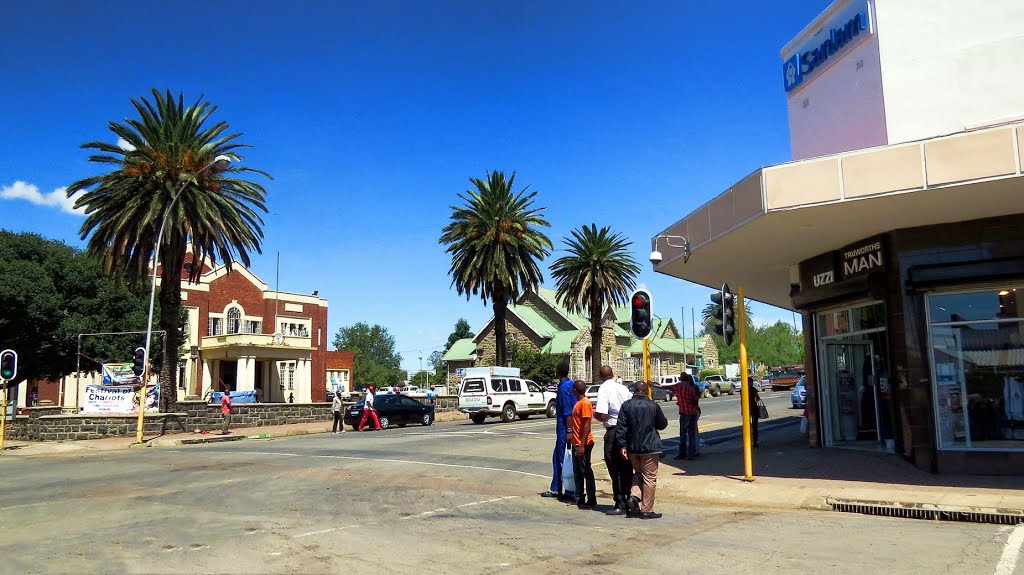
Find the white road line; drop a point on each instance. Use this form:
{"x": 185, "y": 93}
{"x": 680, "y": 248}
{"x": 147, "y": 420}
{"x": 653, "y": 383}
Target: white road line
{"x": 489, "y": 501}
{"x": 322, "y": 531}
{"x": 1011, "y": 551}
{"x": 379, "y": 460}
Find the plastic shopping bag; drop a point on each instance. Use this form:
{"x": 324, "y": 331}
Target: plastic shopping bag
{"x": 803, "y": 425}
{"x": 568, "y": 479}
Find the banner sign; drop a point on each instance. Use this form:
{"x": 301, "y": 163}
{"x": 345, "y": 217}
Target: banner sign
{"x": 236, "y": 397}
{"x": 118, "y": 374}
{"x": 118, "y": 399}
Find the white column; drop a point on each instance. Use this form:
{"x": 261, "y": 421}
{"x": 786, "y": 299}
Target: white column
{"x": 304, "y": 393}
{"x": 246, "y": 373}
{"x": 206, "y": 381}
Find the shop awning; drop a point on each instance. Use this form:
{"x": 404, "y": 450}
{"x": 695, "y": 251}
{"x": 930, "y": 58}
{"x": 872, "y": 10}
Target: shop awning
{"x": 755, "y": 233}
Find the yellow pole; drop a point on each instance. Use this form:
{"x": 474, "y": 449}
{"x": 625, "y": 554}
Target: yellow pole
{"x": 647, "y": 365}
{"x": 741, "y": 319}
{"x": 3, "y": 420}
{"x": 142, "y": 401}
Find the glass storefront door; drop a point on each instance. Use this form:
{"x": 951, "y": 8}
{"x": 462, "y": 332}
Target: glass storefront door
{"x": 856, "y": 394}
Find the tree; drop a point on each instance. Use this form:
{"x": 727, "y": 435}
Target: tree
{"x": 50, "y": 293}
{"x": 599, "y": 271}
{"x": 708, "y": 319}
{"x": 374, "y": 360}
{"x": 462, "y": 331}
{"x": 495, "y": 242}
{"x": 536, "y": 366}
{"x": 169, "y": 150}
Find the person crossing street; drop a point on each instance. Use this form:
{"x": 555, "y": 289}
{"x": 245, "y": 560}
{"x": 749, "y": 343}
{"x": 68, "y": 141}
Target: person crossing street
{"x": 369, "y": 411}
{"x": 639, "y": 421}
{"x": 337, "y": 407}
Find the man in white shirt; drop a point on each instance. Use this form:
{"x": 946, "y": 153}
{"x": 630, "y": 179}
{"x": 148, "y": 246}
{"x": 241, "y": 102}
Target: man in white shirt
{"x": 610, "y": 397}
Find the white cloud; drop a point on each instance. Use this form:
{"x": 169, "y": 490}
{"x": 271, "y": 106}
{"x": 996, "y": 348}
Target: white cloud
{"x": 124, "y": 145}
{"x": 30, "y": 193}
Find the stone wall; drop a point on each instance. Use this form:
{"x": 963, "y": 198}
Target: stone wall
{"x": 514, "y": 329}
{"x": 50, "y": 424}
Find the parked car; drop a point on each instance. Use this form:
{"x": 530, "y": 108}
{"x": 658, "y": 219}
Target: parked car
{"x": 656, "y": 393}
{"x": 392, "y": 409}
{"x": 763, "y": 383}
{"x": 799, "y": 394}
{"x": 591, "y": 393}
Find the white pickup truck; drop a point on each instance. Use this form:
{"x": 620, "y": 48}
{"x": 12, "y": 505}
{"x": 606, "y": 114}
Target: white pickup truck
{"x": 501, "y": 392}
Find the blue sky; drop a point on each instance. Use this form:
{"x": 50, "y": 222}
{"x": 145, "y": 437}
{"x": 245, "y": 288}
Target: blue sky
{"x": 371, "y": 116}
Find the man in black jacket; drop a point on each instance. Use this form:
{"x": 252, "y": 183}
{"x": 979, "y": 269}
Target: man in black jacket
{"x": 640, "y": 419}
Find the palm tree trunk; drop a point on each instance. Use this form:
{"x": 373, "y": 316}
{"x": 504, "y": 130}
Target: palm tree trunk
{"x": 170, "y": 304}
{"x": 500, "y": 306}
{"x": 595, "y": 336}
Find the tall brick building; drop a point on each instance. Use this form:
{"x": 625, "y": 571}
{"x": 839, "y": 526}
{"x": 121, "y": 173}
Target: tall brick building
{"x": 243, "y": 336}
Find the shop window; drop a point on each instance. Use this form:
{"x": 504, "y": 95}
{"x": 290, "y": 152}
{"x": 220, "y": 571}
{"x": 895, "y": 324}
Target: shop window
{"x": 977, "y": 349}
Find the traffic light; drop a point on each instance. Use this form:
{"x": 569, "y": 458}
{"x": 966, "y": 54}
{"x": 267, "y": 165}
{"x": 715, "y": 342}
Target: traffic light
{"x": 725, "y": 312}
{"x": 640, "y": 323}
{"x": 8, "y": 364}
{"x": 139, "y": 361}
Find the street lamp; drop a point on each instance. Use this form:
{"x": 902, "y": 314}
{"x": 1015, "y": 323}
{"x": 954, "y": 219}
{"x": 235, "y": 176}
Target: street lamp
{"x": 219, "y": 160}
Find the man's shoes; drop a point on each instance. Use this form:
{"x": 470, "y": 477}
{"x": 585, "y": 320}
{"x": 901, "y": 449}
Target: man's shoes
{"x": 551, "y": 494}
{"x": 651, "y": 515}
{"x": 586, "y": 504}
{"x": 679, "y": 456}
{"x": 618, "y": 510}
{"x": 334, "y": 433}
{"x": 567, "y": 497}
{"x": 633, "y": 506}
{"x": 342, "y": 430}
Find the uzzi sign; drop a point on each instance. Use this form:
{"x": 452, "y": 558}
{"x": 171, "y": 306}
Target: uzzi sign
{"x": 803, "y": 62}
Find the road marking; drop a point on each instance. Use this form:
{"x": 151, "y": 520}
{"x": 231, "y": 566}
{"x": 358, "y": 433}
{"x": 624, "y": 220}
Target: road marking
{"x": 322, "y": 531}
{"x": 1011, "y": 551}
{"x": 410, "y": 462}
{"x": 489, "y": 501}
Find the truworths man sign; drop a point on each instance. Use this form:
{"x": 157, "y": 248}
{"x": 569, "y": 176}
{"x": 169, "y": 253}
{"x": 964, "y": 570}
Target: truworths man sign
{"x": 844, "y": 29}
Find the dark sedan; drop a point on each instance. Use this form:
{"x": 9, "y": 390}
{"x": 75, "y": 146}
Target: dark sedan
{"x": 392, "y": 410}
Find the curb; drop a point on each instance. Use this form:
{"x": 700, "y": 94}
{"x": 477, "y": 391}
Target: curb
{"x": 761, "y": 429}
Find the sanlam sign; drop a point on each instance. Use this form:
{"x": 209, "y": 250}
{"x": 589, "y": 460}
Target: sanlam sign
{"x": 832, "y": 40}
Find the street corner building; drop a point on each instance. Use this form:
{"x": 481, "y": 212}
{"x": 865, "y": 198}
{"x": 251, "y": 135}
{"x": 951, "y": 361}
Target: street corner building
{"x": 896, "y": 231}
{"x": 537, "y": 322}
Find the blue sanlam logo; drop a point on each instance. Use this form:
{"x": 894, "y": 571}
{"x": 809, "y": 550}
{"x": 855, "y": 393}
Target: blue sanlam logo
{"x": 803, "y": 63}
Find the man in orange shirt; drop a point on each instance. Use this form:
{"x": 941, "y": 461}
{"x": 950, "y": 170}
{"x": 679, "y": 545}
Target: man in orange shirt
{"x": 582, "y": 440}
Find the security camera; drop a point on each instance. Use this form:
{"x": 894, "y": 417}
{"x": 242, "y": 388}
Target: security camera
{"x": 656, "y": 257}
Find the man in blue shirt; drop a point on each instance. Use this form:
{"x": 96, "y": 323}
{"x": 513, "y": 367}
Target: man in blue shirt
{"x": 564, "y": 402}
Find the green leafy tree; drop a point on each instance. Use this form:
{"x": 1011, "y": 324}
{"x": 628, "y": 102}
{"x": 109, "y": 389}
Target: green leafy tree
{"x": 374, "y": 359}
{"x": 536, "y": 366}
{"x": 50, "y": 293}
{"x": 170, "y": 148}
{"x": 708, "y": 319}
{"x": 599, "y": 271}
{"x": 461, "y": 331}
{"x": 495, "y": 242}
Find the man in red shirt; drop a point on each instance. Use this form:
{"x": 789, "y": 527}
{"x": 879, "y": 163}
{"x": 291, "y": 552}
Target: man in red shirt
{"x": 689, "y": 411}
{"x": 225, "y": 410}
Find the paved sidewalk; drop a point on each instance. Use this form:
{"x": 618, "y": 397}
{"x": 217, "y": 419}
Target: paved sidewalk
{"x": 30, "y": 448}
{"x": 788, "y": 474}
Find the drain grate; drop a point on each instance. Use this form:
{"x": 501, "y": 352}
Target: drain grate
{"x": 927, "y": 511}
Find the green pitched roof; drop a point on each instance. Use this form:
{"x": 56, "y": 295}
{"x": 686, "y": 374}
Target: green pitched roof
{"x": 549, "y": 296}
{"x": 560, "y": 343}
{"x": 461, "y": 350}
{"x": 534, "y": 319}
{"x": 667, "y": 345}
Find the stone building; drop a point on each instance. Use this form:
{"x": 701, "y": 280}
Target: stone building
{"x": 537, "y": 322}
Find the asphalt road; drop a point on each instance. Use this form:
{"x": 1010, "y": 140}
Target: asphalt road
{"x": 453, "y": 498}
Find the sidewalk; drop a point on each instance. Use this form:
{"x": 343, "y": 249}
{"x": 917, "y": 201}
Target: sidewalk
{"x": 19, "y": 448}
{"x": 790, "y": 475}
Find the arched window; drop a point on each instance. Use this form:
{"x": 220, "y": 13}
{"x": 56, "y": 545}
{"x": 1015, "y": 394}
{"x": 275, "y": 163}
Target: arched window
{"x": 234, "y": 320}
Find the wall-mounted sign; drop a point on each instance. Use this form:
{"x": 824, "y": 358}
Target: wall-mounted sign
{"x": 862, "y": 258}
{"x": 819, "y": 271}
{"x": 834, "y": 36}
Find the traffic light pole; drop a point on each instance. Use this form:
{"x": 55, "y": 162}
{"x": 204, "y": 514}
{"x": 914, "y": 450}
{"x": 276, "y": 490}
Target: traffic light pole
{"x": 748, "y": 464}
{"x": 3, "y": 420}
{"x": 647, "y": 364}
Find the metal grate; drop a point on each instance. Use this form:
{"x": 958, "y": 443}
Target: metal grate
{"x": 928, "y": 511}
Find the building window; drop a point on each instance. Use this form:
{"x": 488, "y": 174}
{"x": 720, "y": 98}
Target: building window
{"x": 287, "y": 372}
{"x": 295, "y": 329}
{"x": 216, "y": 326}
{"x": 234, "y": 320}
{"x": 977, "y": 355}
{"x": 250, "y": 326}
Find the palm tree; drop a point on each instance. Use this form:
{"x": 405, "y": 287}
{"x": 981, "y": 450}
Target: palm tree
{"x": 169, "y": 148}
{"x": 495, "y": 241}
{"x": 598, "y": 272}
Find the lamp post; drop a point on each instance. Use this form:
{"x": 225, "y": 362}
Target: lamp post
{"x": 223, "y": 160}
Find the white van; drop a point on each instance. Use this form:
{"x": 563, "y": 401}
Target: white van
{"x": 500, "y": 391}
